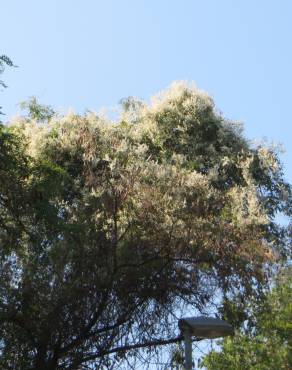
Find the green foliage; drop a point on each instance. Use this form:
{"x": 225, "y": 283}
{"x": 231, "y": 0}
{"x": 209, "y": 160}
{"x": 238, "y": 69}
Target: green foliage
{"x": 266, "y": 343}
{"x": 4, "y": 61}
{"x": 109, "y": 228}
{"x": 37, "y": 111}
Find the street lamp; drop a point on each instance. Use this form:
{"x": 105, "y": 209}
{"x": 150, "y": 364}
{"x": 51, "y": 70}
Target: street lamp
{"x": 202, "y": 328}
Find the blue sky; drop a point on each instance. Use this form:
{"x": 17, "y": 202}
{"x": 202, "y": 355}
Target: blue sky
{"x": 91, "y": 53}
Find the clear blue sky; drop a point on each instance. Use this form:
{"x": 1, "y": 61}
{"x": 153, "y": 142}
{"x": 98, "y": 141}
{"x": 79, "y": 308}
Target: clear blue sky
{"x": 91, "y": 53}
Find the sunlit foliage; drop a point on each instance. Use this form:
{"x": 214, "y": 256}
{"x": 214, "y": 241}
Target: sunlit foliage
{"x": 108, "y": 229}
{"x": 265, "y": 341}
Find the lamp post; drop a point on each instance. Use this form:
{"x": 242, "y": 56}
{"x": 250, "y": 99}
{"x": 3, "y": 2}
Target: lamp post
{"x": 202, "y": 328}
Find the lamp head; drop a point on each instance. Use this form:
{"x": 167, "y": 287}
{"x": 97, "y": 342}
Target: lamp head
{"x": 205, "y": 327}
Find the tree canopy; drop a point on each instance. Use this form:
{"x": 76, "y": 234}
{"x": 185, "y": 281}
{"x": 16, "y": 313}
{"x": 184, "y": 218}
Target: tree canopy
{"x": 265, "y": 340}
{"x": 110, "y": 228}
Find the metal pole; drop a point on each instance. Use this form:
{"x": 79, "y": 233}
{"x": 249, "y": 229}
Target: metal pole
{"x": 188, "y": 349}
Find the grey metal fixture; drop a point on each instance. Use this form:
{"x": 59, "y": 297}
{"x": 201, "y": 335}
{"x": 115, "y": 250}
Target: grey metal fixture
{"x": 201, "y": 328}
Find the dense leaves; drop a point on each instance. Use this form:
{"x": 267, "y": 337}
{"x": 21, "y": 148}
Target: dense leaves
{"x": 265, "y": 342}
{"x": 109, "y": 229}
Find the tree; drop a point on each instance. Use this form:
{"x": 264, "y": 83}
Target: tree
{"x": 4, "y": 61}
{"x": 108, "y": 229}
{"x": 265, "y": 343}
{"x": 36, "y": 111}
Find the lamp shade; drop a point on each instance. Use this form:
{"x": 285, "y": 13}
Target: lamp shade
{"x": 205, "y": 327}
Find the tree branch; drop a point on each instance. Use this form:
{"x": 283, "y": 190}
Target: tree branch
{"x": 152, "y": 343}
